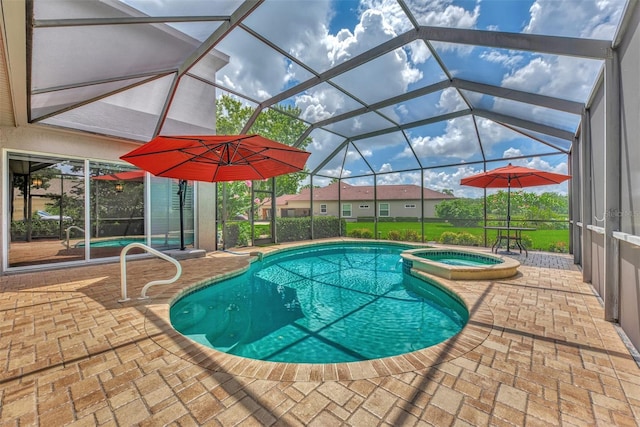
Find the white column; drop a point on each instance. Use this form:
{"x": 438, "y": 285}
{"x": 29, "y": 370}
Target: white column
{"x": 612, "y": 188}
{"x": 205, "y": 216}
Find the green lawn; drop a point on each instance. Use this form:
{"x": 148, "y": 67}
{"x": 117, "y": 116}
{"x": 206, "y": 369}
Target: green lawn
{"x": 544, "y": 240}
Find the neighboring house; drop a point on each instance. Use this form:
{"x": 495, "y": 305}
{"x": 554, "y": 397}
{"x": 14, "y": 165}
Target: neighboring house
{"x": 396, "y": 201}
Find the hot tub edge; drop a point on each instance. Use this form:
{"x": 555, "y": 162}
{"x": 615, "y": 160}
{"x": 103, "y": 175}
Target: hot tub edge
{"x": 507, "y": 268}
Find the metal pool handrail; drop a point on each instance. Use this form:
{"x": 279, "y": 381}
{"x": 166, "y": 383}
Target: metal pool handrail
{"x": 123, "y": 270}
{"x": 68, "y": 230}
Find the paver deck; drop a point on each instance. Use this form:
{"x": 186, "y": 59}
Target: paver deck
{"x": 535, "y": 352}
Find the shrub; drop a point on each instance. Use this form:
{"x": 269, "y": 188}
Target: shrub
{"x": 386, "y": 219}
{"x": 461, "y": 212}
{"x": 39, "y": 228}
{"x": 411, "y": 236}
{"x": 295, "y": 229}
{"x": 365, "y": 219}
{"x": 363, "y": 233}
{"x": 394, "y": 235}
{"x": 448, "y": 238}
{"x": 238, "y": 234}
{"x": 404, "y": 235}
{"x": 560, "y": 247}
{"x": 328, "y": 226}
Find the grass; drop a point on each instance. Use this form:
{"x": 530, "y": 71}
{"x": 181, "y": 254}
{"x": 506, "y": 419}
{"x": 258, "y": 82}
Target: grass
{"x": 544, "y": 240}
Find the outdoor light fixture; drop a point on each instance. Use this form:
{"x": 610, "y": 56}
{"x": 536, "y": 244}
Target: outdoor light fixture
{"x": 36, "y": 182}
{"x": 119, "y": 187}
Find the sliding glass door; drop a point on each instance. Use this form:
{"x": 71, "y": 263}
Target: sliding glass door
{"x": 75, "y": 210}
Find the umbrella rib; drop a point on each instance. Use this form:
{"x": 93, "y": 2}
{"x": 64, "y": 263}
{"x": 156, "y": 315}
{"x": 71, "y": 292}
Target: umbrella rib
{"x": 252, "y": 156}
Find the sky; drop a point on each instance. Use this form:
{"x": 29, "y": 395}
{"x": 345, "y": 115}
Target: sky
{"x": 321, "y": 34}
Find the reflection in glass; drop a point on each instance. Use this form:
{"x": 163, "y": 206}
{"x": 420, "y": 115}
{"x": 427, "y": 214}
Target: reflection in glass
{"x": 117, "y": 209}
{"x": 165, "y": 214}
{"x": 46, "y": 209}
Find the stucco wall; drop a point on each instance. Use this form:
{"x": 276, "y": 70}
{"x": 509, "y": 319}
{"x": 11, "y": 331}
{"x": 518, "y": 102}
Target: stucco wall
{"x": 597, "y": 261}
{"x": 630, "y": 291}
{"x": 628, "y": 263}
{"x": 58, "y": 142}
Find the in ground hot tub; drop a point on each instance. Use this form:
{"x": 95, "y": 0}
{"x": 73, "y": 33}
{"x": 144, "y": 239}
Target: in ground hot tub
{"x": 460, "y": 264}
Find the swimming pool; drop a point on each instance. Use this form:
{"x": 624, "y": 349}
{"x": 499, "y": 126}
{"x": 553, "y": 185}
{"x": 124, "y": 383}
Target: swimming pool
{"x": 459, "y": 264}
{"x": 124, "y": 241}
{"x": 321, "y": 304}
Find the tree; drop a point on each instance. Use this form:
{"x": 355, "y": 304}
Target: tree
{"x": 524, "y": 206}
{"x": 460, "y": 212}
{"x": 279, "y": 124}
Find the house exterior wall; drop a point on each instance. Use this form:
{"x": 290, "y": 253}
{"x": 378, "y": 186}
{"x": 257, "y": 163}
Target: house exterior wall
{"x": 364, "y": 208}
{"x": 53, "y": 142}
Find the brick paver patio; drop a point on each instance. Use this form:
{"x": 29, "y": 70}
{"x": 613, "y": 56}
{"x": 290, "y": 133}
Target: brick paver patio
{"x": 535, "y": 352}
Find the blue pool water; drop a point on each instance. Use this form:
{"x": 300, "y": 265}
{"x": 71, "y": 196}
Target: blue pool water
{"x": 461, "y": 262}
{"x": 459, "y": 258}
{"x": 325, "y": 304}
{"x": 124, "y": 241}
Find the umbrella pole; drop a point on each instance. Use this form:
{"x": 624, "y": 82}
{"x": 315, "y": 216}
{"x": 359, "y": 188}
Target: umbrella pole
{"x": 508, "y": 214}
{"x": 181, "y": 195}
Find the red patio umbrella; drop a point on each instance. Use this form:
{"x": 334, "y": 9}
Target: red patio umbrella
{"x": 216, "y": 158}
{"x": 136, "y": 175}
{"x": 513, "y": 176}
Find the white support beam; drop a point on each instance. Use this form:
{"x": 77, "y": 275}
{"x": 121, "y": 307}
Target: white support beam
{"x": 13, "y": 16}
{"x": 574, "y": 202}
{"x": 612, "y": 163}
{"x": 525, "y": 124}
{"x": 520, "y": 96}
{"x": 587, "y": 191}
{"x": 567, "y": 46}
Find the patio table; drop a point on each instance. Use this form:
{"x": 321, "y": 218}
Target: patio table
{"x": 509, "y": 234}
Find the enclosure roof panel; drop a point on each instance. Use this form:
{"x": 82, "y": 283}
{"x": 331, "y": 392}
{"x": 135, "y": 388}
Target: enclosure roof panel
{"x": 381, "y": 85}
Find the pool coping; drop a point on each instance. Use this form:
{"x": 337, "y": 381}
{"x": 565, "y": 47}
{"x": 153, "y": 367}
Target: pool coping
{"x": 472, "y": 335}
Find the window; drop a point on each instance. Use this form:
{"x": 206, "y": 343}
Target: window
{"x": 46, "y": 198}
{"x": 346, "y": 209}
{"x": 410, "y": 206}
{"x": 323, "y": 209}
{"x": 364, "y": 206}
{"x": 383, "y": 209}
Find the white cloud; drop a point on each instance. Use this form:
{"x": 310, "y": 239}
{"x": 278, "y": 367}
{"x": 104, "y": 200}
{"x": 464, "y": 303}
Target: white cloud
{"x": 451, "y": 101}
{"x": 492, "y": 133}
{"x": 444, "y": 13}
{"x": 399, "y": 178}
{"x": 386, "y": 167}
{"x": 588, "y": 18}
{"x": 564, "y": 77}
{"x": 445, "y": 179}
{"x": 509, "y": 61}
{"x": 458, "y": 141}
{"x": 372, "y": 30}
{"x": 512, "y": 152}
{"x": 419, "y": 51}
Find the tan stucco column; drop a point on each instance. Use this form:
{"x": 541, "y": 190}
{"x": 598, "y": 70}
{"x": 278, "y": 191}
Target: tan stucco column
{"x": 205, "y": 218}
